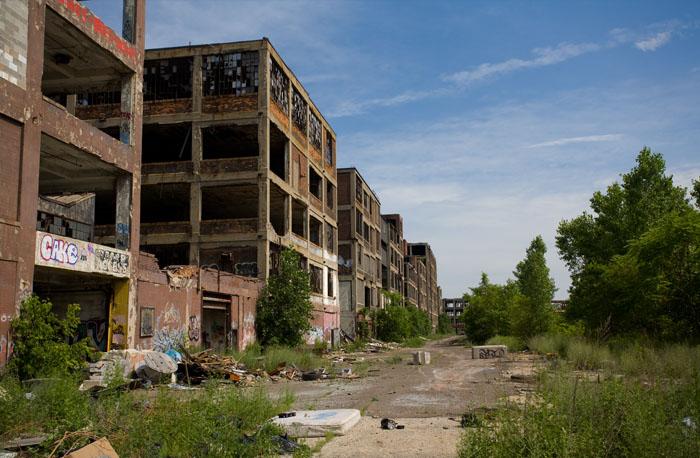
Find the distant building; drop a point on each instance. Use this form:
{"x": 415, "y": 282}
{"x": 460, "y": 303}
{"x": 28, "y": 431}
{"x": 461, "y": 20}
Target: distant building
{"x": 454, "y": 308}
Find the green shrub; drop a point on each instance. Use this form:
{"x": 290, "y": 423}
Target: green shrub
{"x": 444, "y": 325}
{"x": 414, "y": 342}
{"x": 41, "y": 339}
{"x": 513, "y": 343}
{"x": 395, "y": 323}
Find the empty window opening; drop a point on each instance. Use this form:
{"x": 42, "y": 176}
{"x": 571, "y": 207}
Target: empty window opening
{"x": 358, "y": 189}
{"x": 279, "y": 152}
{"x": 331, "y": 283}
{"x": 165, "y": 79}
{"x": 166, "y": 143}
{"x": 278, "y": 205}
{"x": 328, "y": 153}
{"x": 233, "y": 73}
{"x": 330, "y": 195}
{"x": 315, "y": 231}
{"x": 316, "y": 279}
{"x": 299, "y": 111}
{"x": 315, "y": 183}
{"x": 169, "y": 255}
{"x": 279, "y": 86}
{"x": 229, "y": 202}
{"x": 417, "y": 250}
{"x": 298, "y": 218}
{"x": 229, "y": 141}
{"x": 161, "y": 203}
{"x": 112, "y": 131}
{"x": 358, "y": 222}
{"x": 330, "y": 238}
{"x": 314, "y": 131}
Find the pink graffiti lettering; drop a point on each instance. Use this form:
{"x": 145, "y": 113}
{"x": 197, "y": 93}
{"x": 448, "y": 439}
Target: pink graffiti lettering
{"x": 58, "y": 250}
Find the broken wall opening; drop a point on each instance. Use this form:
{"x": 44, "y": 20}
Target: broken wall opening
{"x": 316, "y": 279}
{"x": 162, "y": 203}
{"x": 216, "y": 322}
{"x": 278, "y": 209}
{"x": 230, "y": 141}
{"x": 166, "y": 142}
{"x": 239, "y": 260}
{"x": 169, "y": 255}
{"x": 168, "y": 78}
{"x": 229, "y": 202}
{"x": 298, "y": 218}
{"x": 279, "y": 152}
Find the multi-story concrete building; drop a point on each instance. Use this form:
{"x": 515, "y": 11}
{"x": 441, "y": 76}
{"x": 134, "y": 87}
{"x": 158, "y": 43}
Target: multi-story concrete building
{"x": 453, "y": 308}
{"x": 428, "y": 294}
{"x": 359, "y": 254}
{"x": 237, "y": 163}
{"x": 60, "y": 175}
{"x": 392, "y": 253}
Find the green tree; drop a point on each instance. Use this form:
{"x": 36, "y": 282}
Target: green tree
{"x": 41, "y": 340}
{"x": 531, "y": 314}
{"x": 444, "y": 325}
{"x": 589, "y": 242}
{"x": 487, "y": 312}
{"x": 284, "y": 308}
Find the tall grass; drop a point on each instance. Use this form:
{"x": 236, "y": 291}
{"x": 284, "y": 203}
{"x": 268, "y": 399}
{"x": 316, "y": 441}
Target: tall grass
{"x": 513, "y": 343}
{"x": 254, "y": 357}
{"x": 209, "y": 422}
{"x": 615, "y": 417}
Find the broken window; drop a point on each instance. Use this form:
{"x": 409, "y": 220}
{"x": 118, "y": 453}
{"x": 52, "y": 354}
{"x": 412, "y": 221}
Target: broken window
{"x": 328, "y": 153}
{"x": 331, "y": 283}
{"x": 366, "y": 201}
{"x": 358, "y": 189}
{"x": 299, "y": 112}
{"x": 358, "y": 222}
{"x": 278, "y": 152}
{"x": 279, "y": 86}
{"x": 233, "y": 73}
{"x": 330, "y": 195}
{"x": 366, "y": 231}
{"x": 314, "y": 131}
{"x": 315, "y": 183}
{"x": 278, "y": 202}
{"x": 315, "y": 231}
{"x": 167, "y": 79}
{"x": 316, "y": 279}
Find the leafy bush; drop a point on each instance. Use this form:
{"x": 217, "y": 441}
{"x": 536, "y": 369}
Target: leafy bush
{"x": 395, "y": 323}
{"x": 444, "y": 325}
{"x": 41, "y": 340}
{"x": 284, "y": 308}
{"x": 513, "y": 343}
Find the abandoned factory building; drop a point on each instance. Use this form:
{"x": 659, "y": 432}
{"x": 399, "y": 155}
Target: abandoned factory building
{"x": 237, "y": 163}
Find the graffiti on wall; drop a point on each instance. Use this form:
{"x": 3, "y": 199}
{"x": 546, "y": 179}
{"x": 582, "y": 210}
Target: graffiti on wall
{"x": 246, "y": 269}
{"x": 487, "y": 353}
{"x": 248, "y": 330}
{"x": 72, "y": 254}
{"x": 193, "y": 331}
{"x": 166, "y": 338}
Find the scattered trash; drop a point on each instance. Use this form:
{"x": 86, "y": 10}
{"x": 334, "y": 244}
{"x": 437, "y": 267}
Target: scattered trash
{"x": 317, "y": 423}
{"x": 690, "y": 423}
{"x": 98, "y": 449}
{"x": 23, "y": 442}
{"x": 388, "y": 423}
{"x": 286, "y": 445}
{"x": 287, "y": 414}
{"x": 470, "y": 420}
{"x": 314, "y": 375}
{"x": 156, "y": 366}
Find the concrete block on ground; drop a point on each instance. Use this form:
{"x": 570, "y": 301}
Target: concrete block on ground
{"x": 421, "y": 357}
{"x": 489, "y": 351}
{"x": 316, "y": 423}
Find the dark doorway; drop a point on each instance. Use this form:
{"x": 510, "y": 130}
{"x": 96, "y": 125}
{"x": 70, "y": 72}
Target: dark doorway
{"x": 216, "y": 322}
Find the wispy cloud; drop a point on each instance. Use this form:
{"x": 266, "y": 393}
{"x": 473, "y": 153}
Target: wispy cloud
{"x": 585, "y": 139}
{"x": 655, "y": 42}
{"x": 542, "y": 57}
{"x": 355, "y": 107}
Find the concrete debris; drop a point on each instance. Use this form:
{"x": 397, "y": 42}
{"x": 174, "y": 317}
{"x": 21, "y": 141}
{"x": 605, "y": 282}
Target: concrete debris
{"x": 421, "y": 358}
{"x": 489, "y": 351}
{"x": 23, "y": 442}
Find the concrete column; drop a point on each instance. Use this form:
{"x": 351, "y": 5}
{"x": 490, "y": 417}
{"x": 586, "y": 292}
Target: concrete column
{"x": 123, "y": 212}
{"x": 129, "y": 21}
{"x": 263, "y": 164}
{"x": 71, "y": 101}
{"x": 287, "y": 214}
{"x": 197, "y": 92}
{"x": 195, "y": 220}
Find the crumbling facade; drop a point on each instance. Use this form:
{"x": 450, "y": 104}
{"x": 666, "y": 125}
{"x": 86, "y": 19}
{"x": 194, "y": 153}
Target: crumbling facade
{"x": 237, "y": 163}
{"x": 420, "y": 258}
{"x": 62, "y": 176}
{"x": 392, "y": 254}
{"x": 359, "y": 254}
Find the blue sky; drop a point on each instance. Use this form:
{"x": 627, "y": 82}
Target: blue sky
{"x": 483, "y": 123}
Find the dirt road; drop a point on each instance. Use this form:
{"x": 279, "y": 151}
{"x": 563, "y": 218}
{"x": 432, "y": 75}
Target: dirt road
{"x": 423, "y": 398}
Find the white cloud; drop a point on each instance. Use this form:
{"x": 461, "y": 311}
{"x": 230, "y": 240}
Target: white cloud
{"x": 353, "y": 107}
{"x": 542, "y": 57}
{"x": 654, "y": 42}
{"x": 585, "y": 139}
